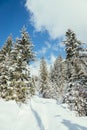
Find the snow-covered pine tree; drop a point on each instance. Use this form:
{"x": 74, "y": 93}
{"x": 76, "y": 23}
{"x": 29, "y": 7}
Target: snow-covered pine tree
{"x": 4, "y": 56}
{"x": 74, "y": 70}
{"x": 57, "y": 77}
{"x": 44, "y": 79}
{"x": 20, "y": 86}
{"x": 81, "y": 99}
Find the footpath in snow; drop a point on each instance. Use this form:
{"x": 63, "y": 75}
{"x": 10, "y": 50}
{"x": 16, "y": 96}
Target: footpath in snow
{"x": 39, "y": 114}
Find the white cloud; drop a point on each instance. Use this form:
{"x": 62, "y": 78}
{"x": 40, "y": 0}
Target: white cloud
{"x": 45, "y": 48}
{"x": 52, "y": 58}
{"x": 61, "y": 45}
{"x": 48, "y": 44}
{"x": 42, "y": 51}
{"x": 34, "y": 68}
{"x": 55, "y": 47}
{"x": 56, "y": 16}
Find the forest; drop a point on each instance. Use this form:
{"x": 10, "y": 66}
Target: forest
{"x": 66, "y": 81}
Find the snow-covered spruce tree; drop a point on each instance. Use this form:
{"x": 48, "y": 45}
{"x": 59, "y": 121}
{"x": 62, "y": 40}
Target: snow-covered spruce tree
{"x": 20, "y": 85}
{"x": 44, "y": 79}
{"x": 57, "y": 77}
{"x": 35, "y": 80}
{"x": 81, "y": 104}
{"x": 75, "y": 88}
{"x": 4, "y": 56}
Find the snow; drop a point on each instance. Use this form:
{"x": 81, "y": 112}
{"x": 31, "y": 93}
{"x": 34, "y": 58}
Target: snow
{"x": 39, "y": 114}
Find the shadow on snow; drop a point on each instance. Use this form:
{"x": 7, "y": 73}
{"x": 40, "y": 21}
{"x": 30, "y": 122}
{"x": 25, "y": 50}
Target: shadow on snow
{"x": 73, "y": 126}
{"x": 38, "y": 119}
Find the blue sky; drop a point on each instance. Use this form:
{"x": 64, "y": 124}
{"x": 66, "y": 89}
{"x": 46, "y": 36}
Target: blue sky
{"x": 13, "y": 16}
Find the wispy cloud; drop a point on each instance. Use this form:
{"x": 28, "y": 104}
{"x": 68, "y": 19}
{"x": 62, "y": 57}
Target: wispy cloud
{"x": 52, "y": 58}
{"x": 56, "y": 16}
{"x": 50, "y": 48}
{"x": 42, "y": 51}
{"x": 61, "y": 45}
{"x": 48, "y": 44}
{"x": 34, "y": 68}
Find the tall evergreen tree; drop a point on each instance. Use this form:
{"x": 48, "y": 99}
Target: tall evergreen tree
{"x": 4, "y": 56}
{"x": 44, "y": 79}
{"x": 74, "y": 70}
{"x": 18, "y": 82}
{"x": 58, "y": 78}
{"x": 20, "y": 86}
{"x": 72, "y": 47}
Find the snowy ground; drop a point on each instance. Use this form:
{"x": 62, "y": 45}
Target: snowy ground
{"x": 39, "y": 114}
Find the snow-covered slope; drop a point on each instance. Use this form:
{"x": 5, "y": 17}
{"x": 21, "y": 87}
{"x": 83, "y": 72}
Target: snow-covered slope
{"x": 39, "y": 114}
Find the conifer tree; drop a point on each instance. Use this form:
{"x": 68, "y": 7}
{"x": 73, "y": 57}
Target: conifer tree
{"x": 81, "y": 82}
{"x": 58, "y": 78}
{"x": 44, "y": 79}
{"x": 74, "y": 72}
{"x": 20, "y": 84}
{"x": 4, "y": 56}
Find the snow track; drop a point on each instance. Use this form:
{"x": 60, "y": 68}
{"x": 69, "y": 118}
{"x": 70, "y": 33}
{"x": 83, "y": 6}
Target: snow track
{"x": 38, "y": 118}
{"x": 39, "y": 114}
